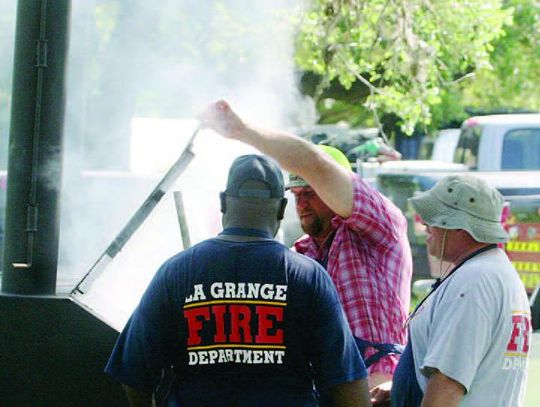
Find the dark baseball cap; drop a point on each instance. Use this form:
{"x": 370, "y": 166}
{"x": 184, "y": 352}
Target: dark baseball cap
{"x": 254, "y": 167}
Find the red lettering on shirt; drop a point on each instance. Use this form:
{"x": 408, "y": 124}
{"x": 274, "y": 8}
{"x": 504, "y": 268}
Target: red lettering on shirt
{"x": 240, "y": 321}
{"x": 512, "y": 345}
{"x": 527, "y": 322}
{"x": 234, "y": 324}
{"x": 266, "y": 324}
{"x": 519, "y": 338}
{"x": 219, "y": 312}
{"x": 195, "y": 324}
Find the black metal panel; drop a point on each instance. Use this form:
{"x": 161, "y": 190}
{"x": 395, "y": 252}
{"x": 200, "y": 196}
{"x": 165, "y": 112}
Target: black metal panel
{"x": 52, "y": 353}
{"x": 35, "y": 147}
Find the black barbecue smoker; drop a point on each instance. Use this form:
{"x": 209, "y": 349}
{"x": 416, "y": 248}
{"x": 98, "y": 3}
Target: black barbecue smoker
{"x": 52, "y": 351}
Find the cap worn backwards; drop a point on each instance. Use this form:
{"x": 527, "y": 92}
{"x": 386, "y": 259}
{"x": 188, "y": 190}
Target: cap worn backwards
{"x": 254, "y": 167}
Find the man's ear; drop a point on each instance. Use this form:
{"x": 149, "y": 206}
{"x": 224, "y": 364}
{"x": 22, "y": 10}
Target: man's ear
{"x": 282, "y": 206}
{"x": 222, "y": 202}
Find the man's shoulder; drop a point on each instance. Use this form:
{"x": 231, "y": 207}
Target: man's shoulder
{"x": 368, "y": 199}
{"x": 189, "y": 254}
{"x": 489, "y": 277}
{"x": 362, "y": 186}
{"x": 302, "y": 263}
{"x": 300, "y": 256}
{"x": 487, "y": 266}
{"x": 303, "y": 244}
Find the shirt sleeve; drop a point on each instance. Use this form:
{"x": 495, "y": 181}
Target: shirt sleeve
{"x": 141, "y": 352}
{"x": 459, "y": 334}
{"x": 374, "y": 216}
{"x": 334, "y": 354}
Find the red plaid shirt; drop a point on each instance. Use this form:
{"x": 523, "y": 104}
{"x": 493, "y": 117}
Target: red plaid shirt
{"x": 370, "y": 263}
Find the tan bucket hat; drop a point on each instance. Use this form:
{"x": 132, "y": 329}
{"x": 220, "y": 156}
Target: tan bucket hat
{"x": 463, "y": 202}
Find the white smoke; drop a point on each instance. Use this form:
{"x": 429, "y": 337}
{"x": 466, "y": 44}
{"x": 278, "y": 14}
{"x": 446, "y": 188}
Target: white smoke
{"x": 174, "y": 60}
{"x": 7, "y": 43}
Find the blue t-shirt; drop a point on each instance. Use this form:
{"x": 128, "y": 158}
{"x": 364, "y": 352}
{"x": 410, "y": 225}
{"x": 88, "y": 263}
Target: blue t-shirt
{"x": 406, "y": 391}
{"x": 244, "y": 324}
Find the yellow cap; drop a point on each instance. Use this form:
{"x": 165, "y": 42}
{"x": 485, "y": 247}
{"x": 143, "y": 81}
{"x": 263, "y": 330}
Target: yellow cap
{"x": 337, "y": 155}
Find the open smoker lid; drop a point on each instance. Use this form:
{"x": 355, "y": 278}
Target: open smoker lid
{"x": 114, "y": 284}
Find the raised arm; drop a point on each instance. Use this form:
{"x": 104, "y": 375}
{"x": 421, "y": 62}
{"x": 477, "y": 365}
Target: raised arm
{"x": 330, "y": 181}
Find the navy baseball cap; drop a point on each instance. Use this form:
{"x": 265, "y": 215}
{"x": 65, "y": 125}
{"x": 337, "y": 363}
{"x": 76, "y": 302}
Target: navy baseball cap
{"x": 254, "y": 167}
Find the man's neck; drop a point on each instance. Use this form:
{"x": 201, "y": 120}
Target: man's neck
{"x": 322, "y": 239}
{"x": 236, "y": 238}
{"x": 468, "y": 251}
{"x": 241, "y": 233}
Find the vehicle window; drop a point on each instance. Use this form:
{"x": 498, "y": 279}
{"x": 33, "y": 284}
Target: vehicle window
{"x": 521, "y": 150}
{"x": 467, "y": 147}
{"x": 426, "y": 149}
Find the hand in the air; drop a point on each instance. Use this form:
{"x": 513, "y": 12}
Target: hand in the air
{"x": 219, "y": 117}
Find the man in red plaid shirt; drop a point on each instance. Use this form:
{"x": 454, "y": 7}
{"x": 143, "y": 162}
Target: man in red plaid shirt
{"x": 354, "y": 231}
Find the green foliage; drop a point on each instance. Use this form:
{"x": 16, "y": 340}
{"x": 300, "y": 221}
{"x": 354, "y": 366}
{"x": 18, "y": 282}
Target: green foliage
{"x": 411, "y": 54}
{"x": 513, "y": 78}
{"x": 451, "y": 111}
{"x": 335, "y": 111}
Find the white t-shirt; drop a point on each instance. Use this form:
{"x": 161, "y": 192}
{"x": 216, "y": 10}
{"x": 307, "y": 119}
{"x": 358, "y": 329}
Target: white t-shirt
{"x": 476, "y": 329}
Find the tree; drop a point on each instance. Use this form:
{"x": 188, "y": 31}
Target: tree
{"x": 511, "y": 80}
{"x": 410, "y": 55}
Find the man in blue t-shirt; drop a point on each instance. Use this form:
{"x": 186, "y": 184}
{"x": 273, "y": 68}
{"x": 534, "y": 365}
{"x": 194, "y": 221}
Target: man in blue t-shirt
{"x": 243, "y": 320}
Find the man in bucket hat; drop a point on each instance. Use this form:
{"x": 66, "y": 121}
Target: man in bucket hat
{"x": 243, "y": 320}
{"x": 356, "y": 233}
{"x": 469, "y": 338}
